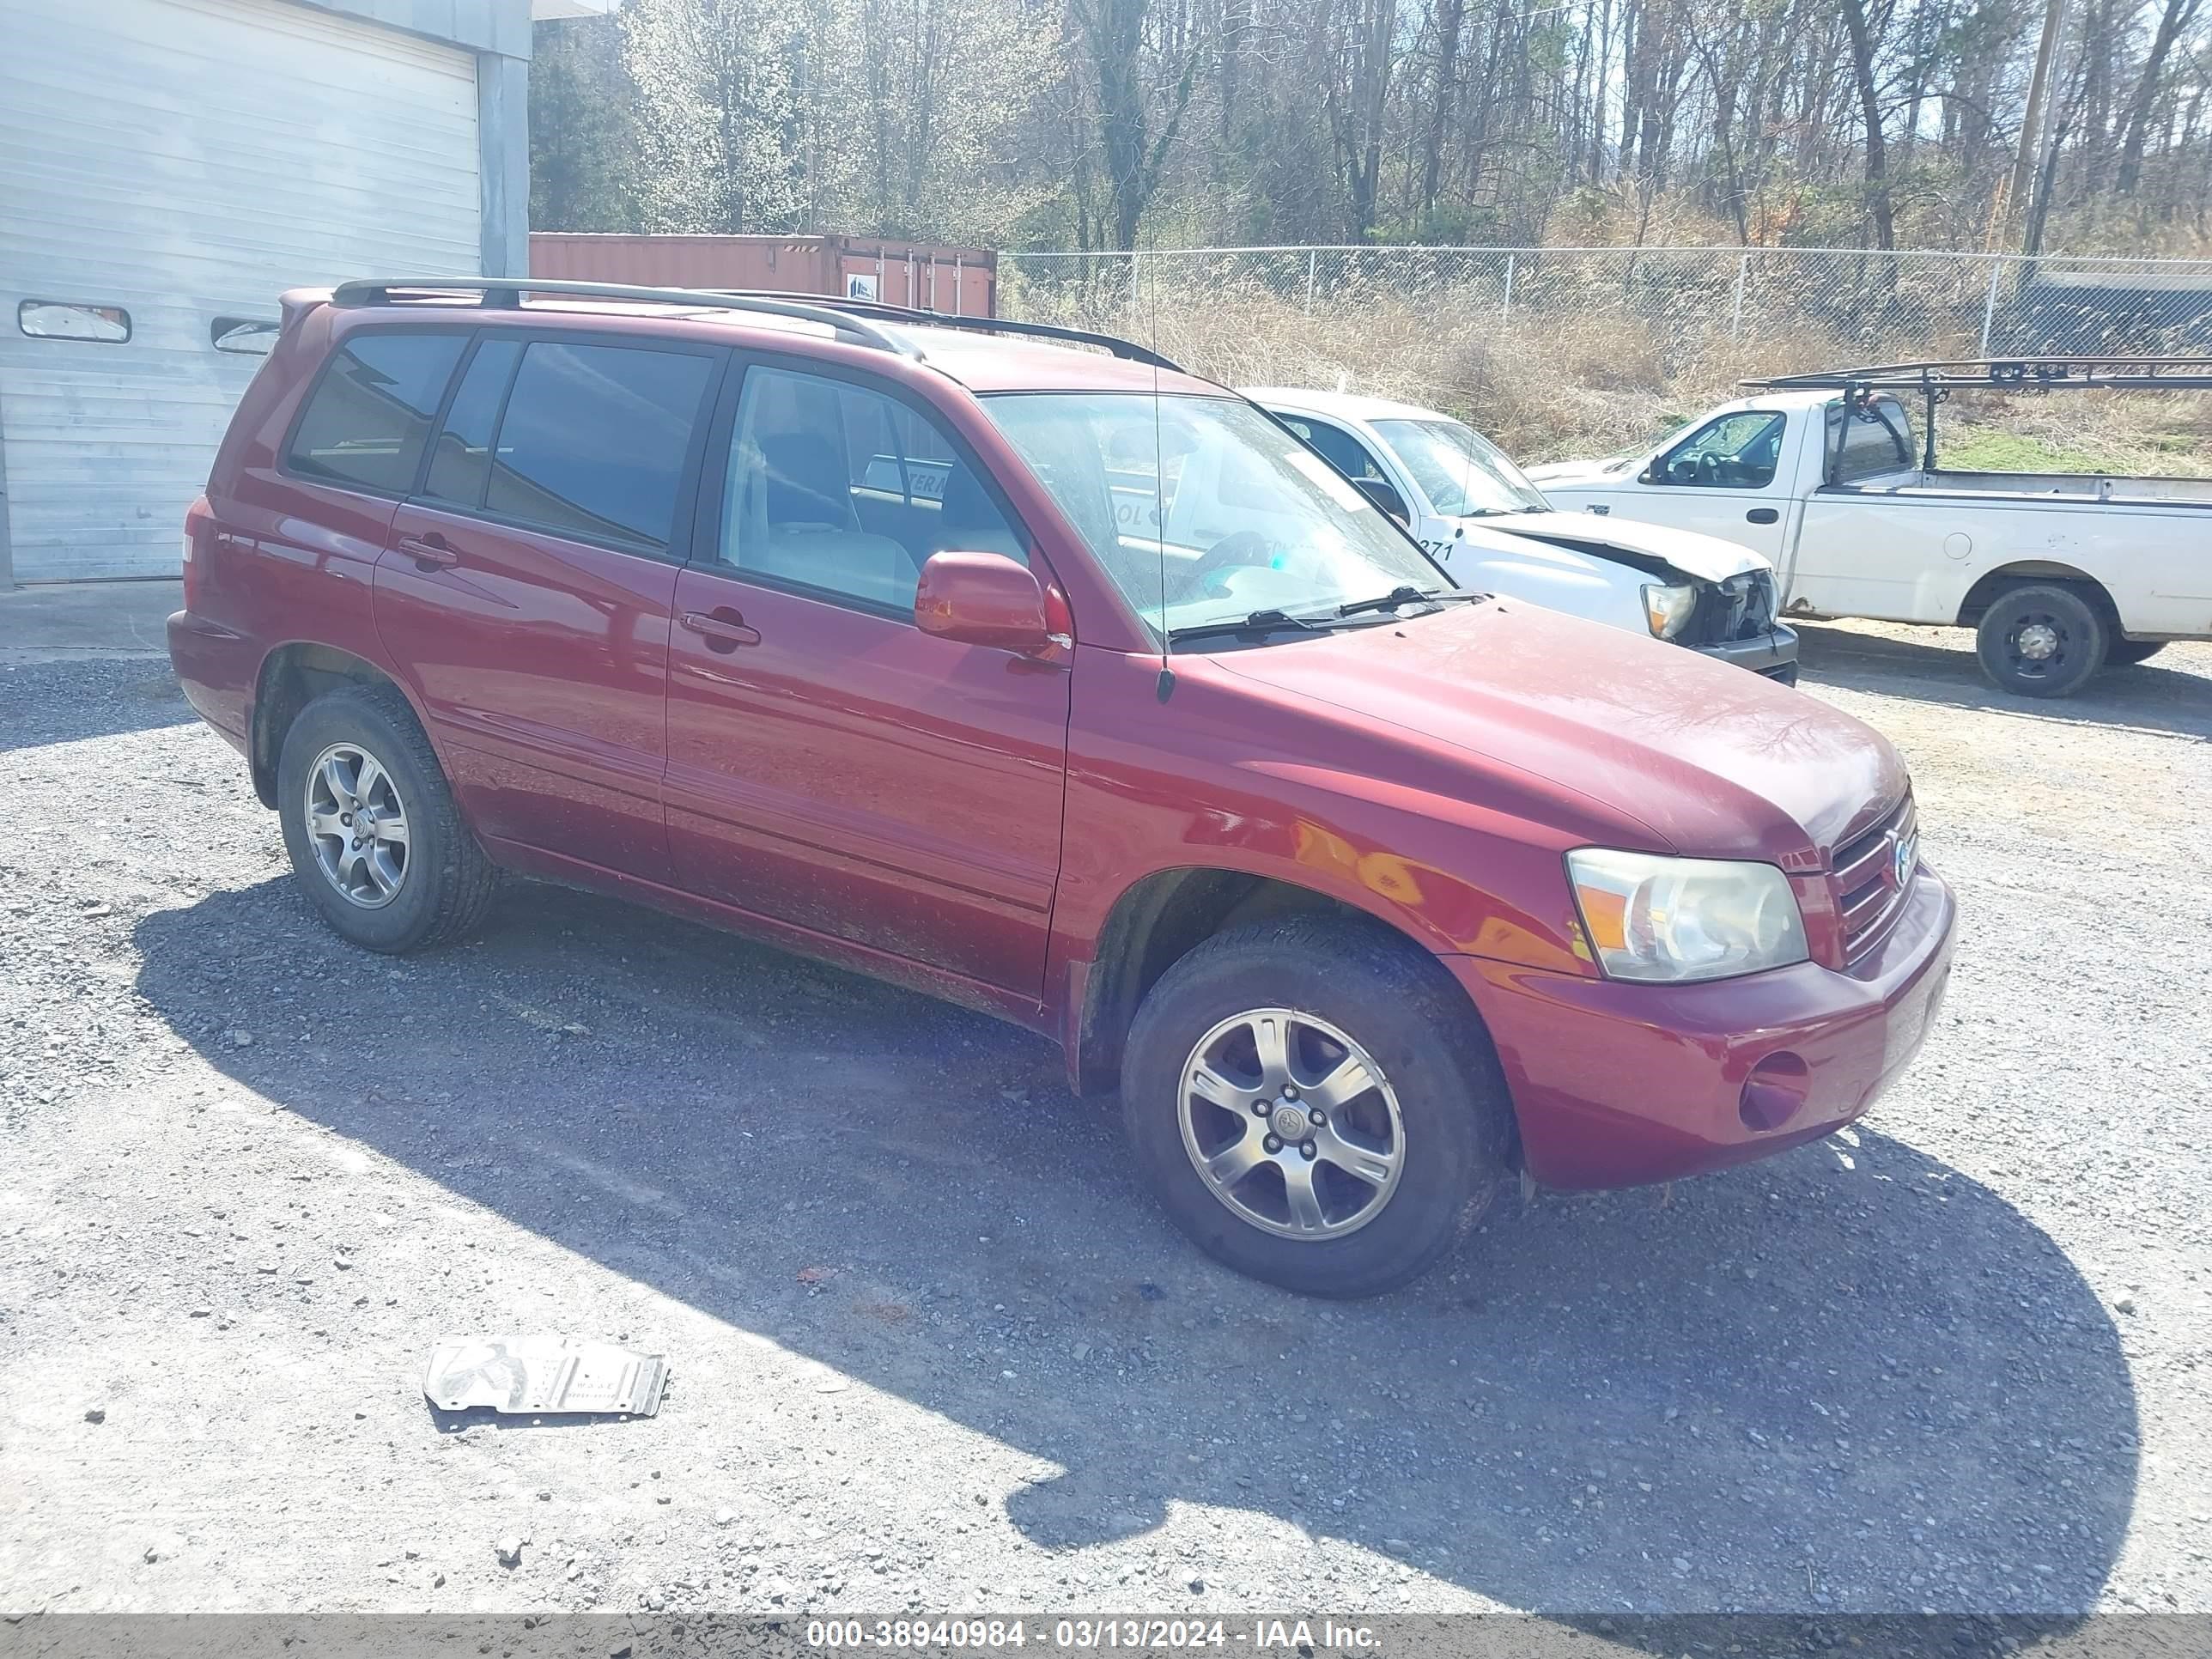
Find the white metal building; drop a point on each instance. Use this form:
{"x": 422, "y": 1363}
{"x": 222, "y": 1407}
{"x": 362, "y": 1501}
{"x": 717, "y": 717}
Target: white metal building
{"x": 166, "y": 169}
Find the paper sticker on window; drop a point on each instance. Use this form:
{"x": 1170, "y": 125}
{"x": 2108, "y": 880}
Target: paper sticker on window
{"x": 59, "y": 319}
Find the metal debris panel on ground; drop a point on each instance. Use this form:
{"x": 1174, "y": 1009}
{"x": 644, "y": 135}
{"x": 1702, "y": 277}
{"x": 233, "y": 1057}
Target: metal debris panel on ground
{"x": 528, "y": 1375}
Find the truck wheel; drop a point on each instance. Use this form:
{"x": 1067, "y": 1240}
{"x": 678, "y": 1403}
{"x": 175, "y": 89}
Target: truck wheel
{"x": 1314, "y": 1104}
{"x": 376, "y": 840}
{"x": 2041, "y": 641}
{"x": 2125, "y": 654}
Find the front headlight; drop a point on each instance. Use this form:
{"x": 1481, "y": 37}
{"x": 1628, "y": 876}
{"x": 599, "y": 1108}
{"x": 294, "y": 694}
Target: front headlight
{"x": 1675, "y": 919}
{"x": 1668, "y": 609}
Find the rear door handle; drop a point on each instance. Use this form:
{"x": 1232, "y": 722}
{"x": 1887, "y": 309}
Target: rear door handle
{"x": 1762, "y": 515}
{"x": 724, "y": 629}
{"x": 430, "y": 552}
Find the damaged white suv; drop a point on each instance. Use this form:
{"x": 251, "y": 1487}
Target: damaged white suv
{"x": 1480, "y": 518}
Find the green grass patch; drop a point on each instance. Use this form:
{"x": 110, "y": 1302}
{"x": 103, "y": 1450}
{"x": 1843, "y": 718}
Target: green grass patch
{"x": 1965, "y": 449}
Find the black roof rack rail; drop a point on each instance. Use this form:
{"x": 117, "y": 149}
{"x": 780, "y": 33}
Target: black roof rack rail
{"x": 2005, "y": 374}
{"x": 507, "y": 292}
{"x": 915, "y": 317}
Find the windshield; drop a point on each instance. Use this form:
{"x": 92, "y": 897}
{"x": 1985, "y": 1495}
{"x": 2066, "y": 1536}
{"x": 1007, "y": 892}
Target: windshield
{"x": 1463, "y": 474}
{"x": 1204, "y": 511}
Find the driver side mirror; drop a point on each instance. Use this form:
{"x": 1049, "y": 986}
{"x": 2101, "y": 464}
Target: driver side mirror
{"x": 984, "y": 599}
{"x": 1384, "y": 499}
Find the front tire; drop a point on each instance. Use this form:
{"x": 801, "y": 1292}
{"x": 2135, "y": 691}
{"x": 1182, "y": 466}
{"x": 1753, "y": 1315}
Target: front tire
{"x": 1314, "y": 1102}
{"x": 376, "y": 842}
{"x": 2041, "y": 640}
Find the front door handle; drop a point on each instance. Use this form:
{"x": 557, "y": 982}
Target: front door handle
{"x": 723, "y": 629}
{"x": 1761, "y": 515}
{"x": 429, "y": 551}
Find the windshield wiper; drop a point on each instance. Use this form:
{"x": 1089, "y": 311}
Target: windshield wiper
{"x": 1402, "y": 595}
{"x": 1260, "y": 622}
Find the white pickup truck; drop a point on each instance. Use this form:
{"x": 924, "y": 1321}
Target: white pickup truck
{"x": 2059, "y": 573}
{"x": 1479, "y": 517}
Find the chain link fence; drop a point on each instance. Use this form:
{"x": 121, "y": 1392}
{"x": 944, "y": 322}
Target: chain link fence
{"x": 1557, "y": 348}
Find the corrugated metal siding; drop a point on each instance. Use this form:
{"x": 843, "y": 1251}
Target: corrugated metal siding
{"x": 187, "y": 159}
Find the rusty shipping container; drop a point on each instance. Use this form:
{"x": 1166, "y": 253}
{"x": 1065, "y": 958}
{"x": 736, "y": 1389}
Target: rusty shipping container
{"x": 963, "y": 281}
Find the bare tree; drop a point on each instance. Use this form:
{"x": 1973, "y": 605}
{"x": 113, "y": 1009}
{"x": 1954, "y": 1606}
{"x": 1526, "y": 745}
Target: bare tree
{"x": 1094, "y": 122}
{"x": 1877, "y": 149}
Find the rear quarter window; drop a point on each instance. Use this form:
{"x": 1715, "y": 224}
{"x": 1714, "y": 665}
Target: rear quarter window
{"x": 368, "y": 416}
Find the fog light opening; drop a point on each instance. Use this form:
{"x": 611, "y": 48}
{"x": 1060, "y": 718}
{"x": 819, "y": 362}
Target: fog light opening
{"x": 1775, "y": 1091}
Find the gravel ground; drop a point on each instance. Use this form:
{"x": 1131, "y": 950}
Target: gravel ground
{"x": 931, "y": 1350}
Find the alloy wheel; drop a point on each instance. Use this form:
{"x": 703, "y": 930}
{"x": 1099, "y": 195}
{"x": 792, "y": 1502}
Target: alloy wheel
{"x": 357, "y": 824}
{"x": 1291, "y": 1125}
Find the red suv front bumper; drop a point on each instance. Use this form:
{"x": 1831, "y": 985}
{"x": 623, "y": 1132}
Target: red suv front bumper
{"x": 1620, "y": 1084}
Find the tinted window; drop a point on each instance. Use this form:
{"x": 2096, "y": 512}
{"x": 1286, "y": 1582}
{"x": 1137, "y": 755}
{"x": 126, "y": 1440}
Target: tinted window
{"x": 1877, "y": 439}
{"x": 1731, "y": 452}
{"x": 367, "y": 421}
{"x": 838, "y": 487}
{"x": 1345, "y": 453}
{"x": 461, "y": 457}
{"x": 594, "y": 439}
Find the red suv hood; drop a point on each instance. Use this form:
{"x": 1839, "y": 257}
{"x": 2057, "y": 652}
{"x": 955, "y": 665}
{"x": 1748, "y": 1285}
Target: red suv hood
{"x": 1714, "y": 760}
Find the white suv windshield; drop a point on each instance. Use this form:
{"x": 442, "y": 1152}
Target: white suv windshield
{"x": 1203, "y": 511}
{"x": 1463, "y": 473}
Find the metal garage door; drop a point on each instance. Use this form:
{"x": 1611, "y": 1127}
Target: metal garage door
{"x": 187, "y": 161}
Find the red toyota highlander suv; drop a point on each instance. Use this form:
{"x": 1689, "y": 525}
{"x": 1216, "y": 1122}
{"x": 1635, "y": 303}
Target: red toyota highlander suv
{"x": 1037, "y": 674}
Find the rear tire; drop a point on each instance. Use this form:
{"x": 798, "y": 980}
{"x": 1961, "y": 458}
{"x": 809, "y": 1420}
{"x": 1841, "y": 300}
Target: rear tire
{"x": 1396, "y": 1169}
{"x": 2125, "y": 654}
{"x": 376, "y": 840}
{"x": 2041, "y": 640}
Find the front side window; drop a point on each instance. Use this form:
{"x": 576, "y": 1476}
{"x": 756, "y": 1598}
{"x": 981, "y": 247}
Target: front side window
{"x": 1731, "y": 452}
{"x": 1345, "y": 453}
{"x": 833, "y": 487}
{"x": 1202, "y": 510}
{"x": 1463, "y": 473}
{"x": 366, "y": 423}
{"x": 595, "y": 440}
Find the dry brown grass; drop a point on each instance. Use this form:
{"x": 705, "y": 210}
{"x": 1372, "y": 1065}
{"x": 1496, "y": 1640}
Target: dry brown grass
{"x": 1598, "y": 378}
{"x": 1542, "y": 384}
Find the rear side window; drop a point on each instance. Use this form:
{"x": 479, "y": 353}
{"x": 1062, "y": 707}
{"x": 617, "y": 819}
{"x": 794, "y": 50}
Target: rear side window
{"x": 460, "y": 460}
{"x": 366, "y": 423}
{"x": 1877, "y": 439}
{"x": 595, "y": 440}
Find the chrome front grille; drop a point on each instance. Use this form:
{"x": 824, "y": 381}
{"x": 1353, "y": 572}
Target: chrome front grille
{"x": 1870, "y": 890}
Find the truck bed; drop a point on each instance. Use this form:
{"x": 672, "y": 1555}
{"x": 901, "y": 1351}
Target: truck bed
{"x": 2041, "y": 486}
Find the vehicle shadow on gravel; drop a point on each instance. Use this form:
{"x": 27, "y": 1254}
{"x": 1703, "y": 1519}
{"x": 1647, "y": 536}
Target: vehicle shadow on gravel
{"x": 1849, "y": 1379}
{"x": 66, "y": 702}
{"x": 2149, "y": 697}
